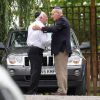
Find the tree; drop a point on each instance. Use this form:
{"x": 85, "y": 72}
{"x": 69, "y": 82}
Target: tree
{"x": 3, "y": 27}
{"x": 23, "y": 10}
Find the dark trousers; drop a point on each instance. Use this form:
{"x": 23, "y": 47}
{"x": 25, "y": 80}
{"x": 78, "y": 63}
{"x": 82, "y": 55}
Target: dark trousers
{"x": 35, "y": 55}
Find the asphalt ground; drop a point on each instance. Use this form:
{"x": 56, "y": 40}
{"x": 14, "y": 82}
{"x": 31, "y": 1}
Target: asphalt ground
{"x": 52, "y": 97}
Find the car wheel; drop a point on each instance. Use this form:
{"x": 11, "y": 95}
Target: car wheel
{"x": 81, "y": 89}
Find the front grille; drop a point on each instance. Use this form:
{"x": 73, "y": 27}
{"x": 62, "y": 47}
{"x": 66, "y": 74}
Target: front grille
{"x": 26, "y": 61}
{"x": 50, "y": 61}
{"x": 47, "y": 61}
{"x": 48, "y": 77}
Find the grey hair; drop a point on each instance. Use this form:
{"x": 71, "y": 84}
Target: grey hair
{"x": 58, "y": 10}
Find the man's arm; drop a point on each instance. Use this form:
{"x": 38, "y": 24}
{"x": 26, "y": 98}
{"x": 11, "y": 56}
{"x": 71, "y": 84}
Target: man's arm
{"x": 54, "y": 28}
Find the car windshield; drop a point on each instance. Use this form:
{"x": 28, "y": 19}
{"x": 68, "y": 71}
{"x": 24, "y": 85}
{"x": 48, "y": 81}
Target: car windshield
{"x": 19, "y": 39}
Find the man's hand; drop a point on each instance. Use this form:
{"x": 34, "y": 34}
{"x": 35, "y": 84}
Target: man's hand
{"x": 36, "y": 27}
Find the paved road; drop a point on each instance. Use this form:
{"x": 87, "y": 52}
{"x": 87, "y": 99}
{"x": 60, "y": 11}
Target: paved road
{"x": 50, "y": 97}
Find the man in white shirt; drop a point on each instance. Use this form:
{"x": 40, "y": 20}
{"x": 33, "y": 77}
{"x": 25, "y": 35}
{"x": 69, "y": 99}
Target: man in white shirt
{"x": 37, "y": 41}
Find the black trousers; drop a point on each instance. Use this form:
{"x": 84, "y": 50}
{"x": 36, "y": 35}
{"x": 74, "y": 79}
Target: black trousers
{"x": 35, "y": 55}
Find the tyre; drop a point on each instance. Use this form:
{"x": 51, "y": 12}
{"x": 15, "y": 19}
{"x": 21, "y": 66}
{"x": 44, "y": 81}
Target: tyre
{"x": 81, "y": 89}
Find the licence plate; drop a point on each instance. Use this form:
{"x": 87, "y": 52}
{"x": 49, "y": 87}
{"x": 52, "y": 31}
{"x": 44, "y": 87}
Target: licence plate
{"x": 48, "y": 71}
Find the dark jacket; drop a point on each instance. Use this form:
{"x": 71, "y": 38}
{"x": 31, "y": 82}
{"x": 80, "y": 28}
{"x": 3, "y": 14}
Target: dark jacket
{"x": 60, "y": 36}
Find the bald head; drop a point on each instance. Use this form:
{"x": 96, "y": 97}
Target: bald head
{"x": 42, "y": 14}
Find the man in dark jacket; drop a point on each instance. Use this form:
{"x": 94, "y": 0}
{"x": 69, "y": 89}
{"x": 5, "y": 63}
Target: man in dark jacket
{"x": 60, "y": 47}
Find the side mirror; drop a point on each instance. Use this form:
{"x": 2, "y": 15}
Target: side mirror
{"x": 2, "y": 50}
{"x": 2, "y": 47}
{"x": 85, "y": 45}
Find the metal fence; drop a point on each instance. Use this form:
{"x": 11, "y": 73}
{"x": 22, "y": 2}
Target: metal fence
{"x": 98, "y": 43}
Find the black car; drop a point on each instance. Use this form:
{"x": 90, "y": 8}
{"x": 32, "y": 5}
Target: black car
{"x": 16, "y": 61}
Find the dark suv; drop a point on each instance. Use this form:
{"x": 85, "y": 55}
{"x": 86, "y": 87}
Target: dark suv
{"x": 16, "y": 61}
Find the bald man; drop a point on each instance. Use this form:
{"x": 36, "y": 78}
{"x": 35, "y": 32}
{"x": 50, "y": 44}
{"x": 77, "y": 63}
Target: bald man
{"x": 60, "y": 47}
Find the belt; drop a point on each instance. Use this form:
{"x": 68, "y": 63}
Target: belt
{"x": 37, "y": 48}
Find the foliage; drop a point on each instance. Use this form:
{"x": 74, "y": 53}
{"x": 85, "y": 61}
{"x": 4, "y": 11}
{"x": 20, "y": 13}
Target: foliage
{"x": 2, "y": 19}
{"x": 97, "y": 1}
{"x": 22, "y": 11}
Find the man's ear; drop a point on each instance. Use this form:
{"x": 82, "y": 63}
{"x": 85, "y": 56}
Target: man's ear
{"x": 40, "y": 17}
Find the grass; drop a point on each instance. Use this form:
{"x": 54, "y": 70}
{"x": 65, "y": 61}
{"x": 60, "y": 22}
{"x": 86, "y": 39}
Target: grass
{"x": 98, "y": 91}
{"x": 92, "y": 90}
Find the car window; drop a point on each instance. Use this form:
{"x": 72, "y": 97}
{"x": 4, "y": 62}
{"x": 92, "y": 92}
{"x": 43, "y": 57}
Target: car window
{"x": 18, "y": 39}
{"x": 74, "y": 38}
{"x": 72, "y": 44}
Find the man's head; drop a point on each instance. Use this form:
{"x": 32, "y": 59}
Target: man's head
{"x": 56, "y": 13}
{"x": 42, "y": 17}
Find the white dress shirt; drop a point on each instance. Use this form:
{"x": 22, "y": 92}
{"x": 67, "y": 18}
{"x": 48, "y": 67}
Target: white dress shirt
{"x": 37, "y": 37}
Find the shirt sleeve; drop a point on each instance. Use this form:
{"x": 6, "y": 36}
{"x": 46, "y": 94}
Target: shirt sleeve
{"x": 45, "y": 39}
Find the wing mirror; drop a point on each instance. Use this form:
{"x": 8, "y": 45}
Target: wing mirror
{"x": 85, "y": 45}
{"x": 2, "y": 47}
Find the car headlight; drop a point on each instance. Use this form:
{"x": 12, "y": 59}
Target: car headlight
{"x": 74, "y": 60}
{"x": 14, "y": 60}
